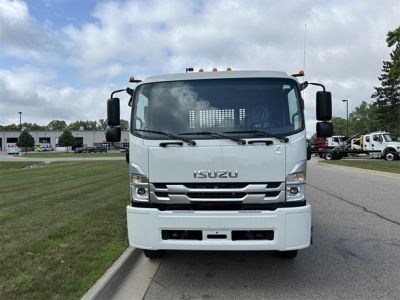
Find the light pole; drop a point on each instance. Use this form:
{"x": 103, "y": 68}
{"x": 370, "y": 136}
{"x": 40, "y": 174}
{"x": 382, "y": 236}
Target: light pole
{"x": 347, "y": 116}
{"x": 20, "y": 124}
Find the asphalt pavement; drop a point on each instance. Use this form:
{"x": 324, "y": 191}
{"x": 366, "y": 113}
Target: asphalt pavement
{"x": 355, "y": 254}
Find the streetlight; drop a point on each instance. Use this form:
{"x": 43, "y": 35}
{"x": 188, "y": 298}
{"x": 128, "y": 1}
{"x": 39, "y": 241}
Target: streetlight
{"x": 20, "y": 124}
{"x": 347, "y": 116}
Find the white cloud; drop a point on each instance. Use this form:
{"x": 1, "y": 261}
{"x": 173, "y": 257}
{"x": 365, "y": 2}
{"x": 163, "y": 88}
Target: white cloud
{"x": 29, "y": 90}
{"x": 22, "y": 36}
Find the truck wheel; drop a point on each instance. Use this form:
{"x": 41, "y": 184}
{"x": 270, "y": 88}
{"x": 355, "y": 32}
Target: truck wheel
{"x": 287, "y": 254}
{"x": 328, "y": 156}
{"x": 153, "y": 254}
{"x": 389, "y": 155}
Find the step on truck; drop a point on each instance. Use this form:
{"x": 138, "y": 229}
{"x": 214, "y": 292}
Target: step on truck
{"x": 217, "y": 161}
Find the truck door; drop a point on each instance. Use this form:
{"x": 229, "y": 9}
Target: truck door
{"x": 367, "y": 143}
{"x": 377, "y": 142}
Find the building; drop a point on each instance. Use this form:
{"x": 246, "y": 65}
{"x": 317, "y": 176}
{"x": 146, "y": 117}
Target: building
{"x": 82, "y": 137}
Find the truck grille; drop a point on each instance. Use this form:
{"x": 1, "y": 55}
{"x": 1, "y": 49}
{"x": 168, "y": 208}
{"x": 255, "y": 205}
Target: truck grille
{"x": 185, "y": 193}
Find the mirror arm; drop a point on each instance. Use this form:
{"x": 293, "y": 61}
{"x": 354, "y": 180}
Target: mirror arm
{"x": 318, "y": 84}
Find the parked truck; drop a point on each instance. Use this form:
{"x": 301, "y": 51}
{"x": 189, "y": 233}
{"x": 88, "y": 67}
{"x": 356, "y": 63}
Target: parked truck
{"x": 217, "y": 161}
{"x": 379, "y": 144}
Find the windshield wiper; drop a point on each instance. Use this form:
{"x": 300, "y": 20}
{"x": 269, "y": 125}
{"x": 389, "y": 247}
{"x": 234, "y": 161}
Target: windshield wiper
{"x": 235, "y": 139}
{"x": 261, "y": 133}
{"x": 170, "y": 135}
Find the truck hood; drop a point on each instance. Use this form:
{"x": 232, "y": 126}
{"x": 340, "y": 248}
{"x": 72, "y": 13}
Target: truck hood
{"x": 220, "y": 163}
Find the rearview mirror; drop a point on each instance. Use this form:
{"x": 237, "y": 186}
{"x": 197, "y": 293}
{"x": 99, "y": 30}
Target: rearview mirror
{"x": 324, "y": 129}
{"x": 113, "y": 134}
{"x": 324, "y": 106}
{"x": 113, "y": 117}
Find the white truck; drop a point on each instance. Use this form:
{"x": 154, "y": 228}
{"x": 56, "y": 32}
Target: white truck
{"x": 382, "y": 144}
{"x": 217, "y": 161}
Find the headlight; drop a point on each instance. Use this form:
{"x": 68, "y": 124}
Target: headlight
{"x": 295, "y": 186}
{"x": 139, "y": 187}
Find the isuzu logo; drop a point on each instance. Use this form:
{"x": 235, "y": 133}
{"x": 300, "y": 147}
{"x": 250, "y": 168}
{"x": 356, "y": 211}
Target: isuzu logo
{"x": 215, "y": 174}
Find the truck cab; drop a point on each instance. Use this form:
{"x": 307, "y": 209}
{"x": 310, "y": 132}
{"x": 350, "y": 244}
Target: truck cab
{"x": 384, "y": 142}
{"x": 217, "y": 161}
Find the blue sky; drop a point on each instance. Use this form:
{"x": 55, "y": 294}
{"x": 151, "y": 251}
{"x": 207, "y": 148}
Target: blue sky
{"x": 59, "y": 59}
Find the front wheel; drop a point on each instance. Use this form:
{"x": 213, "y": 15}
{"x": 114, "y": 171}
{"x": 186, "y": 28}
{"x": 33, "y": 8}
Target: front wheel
{"x": 389, "y": 156}
{"x": 153, "y": 254}
{"x": 287, "y": 254}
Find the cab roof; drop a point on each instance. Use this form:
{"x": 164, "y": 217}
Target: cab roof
{"x": 218, "y": 75}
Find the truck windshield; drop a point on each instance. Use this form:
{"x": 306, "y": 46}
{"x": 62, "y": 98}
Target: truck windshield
{"x": 388, "y": 137}
{"x": 217, "y": 106}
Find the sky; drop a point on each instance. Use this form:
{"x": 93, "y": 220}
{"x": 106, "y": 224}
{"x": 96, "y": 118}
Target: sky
{"x": 60, "y": 59}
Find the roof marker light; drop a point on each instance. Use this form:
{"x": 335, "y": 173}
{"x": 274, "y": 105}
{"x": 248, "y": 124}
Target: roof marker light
{"x": 229, "y": 69}
{"x": 214, "y": 70}
{"x": 201, "y": 70}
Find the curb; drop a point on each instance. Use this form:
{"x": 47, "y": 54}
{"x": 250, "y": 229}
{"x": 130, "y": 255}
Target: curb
{"x": 109, "y": 282}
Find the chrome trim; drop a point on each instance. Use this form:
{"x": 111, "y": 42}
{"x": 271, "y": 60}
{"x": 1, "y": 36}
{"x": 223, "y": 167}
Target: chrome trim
{"x": 253, "y": 193}
{"x": 299, "y": 167}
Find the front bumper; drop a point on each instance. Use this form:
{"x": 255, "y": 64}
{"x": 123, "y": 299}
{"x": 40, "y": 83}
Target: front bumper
{"x": 291, "y": 226}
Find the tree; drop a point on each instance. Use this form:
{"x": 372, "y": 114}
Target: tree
{"x": 124, "y": 124}
{"x": 388, "y": 94}
{"x": 66, "y": 139}
{"x": 102, "y": 124}
{"x": 339, "y": 126}
{"x": 86, "y": 125}
{"x": 57, "y": 125}
{"x": 363, "y": 119}
{"x": 25, "y": 140}
{"x": 393, "y": 39}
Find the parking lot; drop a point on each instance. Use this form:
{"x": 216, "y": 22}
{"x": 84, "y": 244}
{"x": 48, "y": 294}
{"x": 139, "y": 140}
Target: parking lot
{"x": 355, "y": 254}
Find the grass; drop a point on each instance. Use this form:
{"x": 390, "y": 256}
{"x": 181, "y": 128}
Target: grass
{"x": 71, "y": 154}
{"x": 377, "y": 165}
{"x": 61, "y": 226}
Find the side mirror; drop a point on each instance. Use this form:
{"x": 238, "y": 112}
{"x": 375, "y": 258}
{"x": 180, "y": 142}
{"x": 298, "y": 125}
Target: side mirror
{"x": 113, "y": 113}
{"x": 324, "y": 106}
{"x": 113, "y": 134}
{"x": 324, "y": 129}
{"x": 308, "y": 152}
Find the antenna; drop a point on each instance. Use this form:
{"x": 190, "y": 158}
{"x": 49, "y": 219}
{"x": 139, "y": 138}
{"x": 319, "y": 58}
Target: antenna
{"x": 304, "y": 53}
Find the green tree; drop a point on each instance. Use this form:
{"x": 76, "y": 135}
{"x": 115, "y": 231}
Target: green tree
{"x": 339, "y": 126}
{"x": 66, "y": 139}
{"x": 363, "y": 119}
{"x": 387, "y": 96}
{"x": 25, "y": 140}
{"x": 57, "y": 125}
{"x": 393, "y": 39}
{"x": 102, "y": 124}
{"x": 86, "y": 125}
{"x": 124, "y": 124}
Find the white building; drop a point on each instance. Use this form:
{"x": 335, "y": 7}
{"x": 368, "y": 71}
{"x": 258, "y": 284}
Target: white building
{"x": 82, "y": 137}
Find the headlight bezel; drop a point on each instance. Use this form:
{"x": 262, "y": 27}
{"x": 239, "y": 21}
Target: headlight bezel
{"x": 139, "y": 182}
{"x": 296, "y": 179}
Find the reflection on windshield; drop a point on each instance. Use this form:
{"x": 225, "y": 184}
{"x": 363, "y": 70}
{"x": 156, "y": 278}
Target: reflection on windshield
{"x": 388, "y": 138}
{"x": 218, "y": 105}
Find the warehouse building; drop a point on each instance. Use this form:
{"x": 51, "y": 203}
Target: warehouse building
{"x": 82, "y": 137}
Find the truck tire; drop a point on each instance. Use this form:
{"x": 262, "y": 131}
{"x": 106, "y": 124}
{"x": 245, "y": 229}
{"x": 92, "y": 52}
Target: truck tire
{"x": 153, "y": 254}
{"x": 390, "y": 155}
{"x": 287, "y": 254}
{"x": 329, "y": 155}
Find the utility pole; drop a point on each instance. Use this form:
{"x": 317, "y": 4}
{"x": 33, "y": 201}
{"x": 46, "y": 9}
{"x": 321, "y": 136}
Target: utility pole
{"x": 347, "y": 116}
{"x": 20, "y": 124}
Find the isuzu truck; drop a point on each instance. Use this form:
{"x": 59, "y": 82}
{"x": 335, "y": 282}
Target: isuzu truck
{"x": 217, "y": 161}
